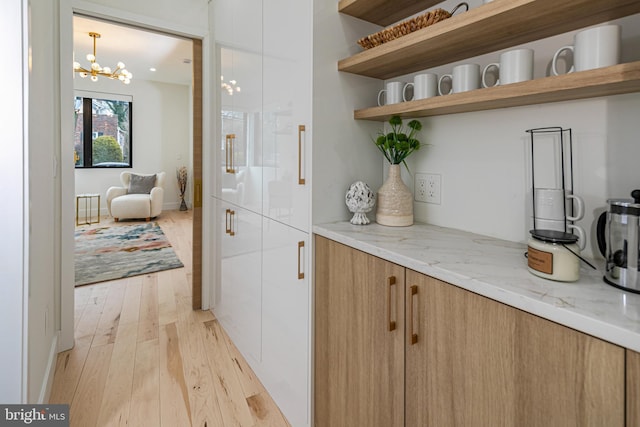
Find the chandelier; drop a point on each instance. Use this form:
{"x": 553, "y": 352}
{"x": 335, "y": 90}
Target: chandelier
{"x": 95, "y": 70}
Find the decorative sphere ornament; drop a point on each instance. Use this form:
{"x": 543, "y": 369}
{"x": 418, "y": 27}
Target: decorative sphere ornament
{"x": 360, "y": 200}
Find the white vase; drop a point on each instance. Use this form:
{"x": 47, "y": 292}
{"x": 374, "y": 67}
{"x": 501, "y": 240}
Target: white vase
{"x": 360, "y": 200}
{"x": 395, "y": 202}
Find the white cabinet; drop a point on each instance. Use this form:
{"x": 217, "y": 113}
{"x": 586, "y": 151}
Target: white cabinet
{"x": 287, "y": 71}
{"x": 239, "y": 295}
{"x": 262, "y": 183}
{"x": 285, "y": 319}
{"x": 239, "y": 48}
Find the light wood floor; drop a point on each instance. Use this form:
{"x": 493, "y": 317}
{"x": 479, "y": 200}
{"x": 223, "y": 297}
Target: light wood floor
{"x": 143, "y": 357}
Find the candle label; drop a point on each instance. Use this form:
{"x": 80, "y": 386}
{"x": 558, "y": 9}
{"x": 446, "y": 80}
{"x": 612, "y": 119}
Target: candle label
{"x": 540, "y": 261}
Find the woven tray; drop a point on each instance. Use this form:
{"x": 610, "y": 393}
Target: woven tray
{"x": 406, "y": 27}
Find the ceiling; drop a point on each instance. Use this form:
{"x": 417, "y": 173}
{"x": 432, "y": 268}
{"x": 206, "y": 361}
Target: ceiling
{"x": 139, "y": 50}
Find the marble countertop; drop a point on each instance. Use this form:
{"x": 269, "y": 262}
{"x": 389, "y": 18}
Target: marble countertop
{"x": 498, "y": 270}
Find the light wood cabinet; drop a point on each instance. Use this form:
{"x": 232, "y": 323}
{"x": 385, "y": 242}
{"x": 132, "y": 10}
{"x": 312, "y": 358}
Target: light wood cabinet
{"x": 484, "y": 29}
{"x": 480, "y": 362}
{"x": 463, "y": 360}
{"x": 633, "y": 388}
{"x": 359, "y": 353}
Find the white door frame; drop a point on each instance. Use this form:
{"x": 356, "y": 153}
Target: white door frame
{"x": 67, "y": 10}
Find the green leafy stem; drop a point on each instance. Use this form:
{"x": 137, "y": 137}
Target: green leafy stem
{"x": 397, "y": 145}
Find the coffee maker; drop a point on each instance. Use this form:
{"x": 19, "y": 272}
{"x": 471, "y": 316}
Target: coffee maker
{"x": 618, "y": 240}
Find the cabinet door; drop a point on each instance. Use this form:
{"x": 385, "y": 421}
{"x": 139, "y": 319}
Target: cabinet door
{"x": 239, "y": 293}
{"x": 285, "y": 319}
{"x": 633, "y": 388}
{"x": 286, "y": 154}
{"x": 359, "y": 338}
{"x": 239, "y": 49}
{"x": 479, "y": 362}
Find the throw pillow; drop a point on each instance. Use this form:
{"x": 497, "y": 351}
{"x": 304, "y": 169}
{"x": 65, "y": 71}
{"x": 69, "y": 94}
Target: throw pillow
{"x": 141, "y": 184}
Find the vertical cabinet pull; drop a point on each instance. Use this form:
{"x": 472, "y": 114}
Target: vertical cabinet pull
{"x": 414, "y": 292}
{"x": 301, "y": 129}
{"x": 391, "y": 281}
{"x": 228, "y": 148}
{"x": 227, "y": 221}
{"x": 300, "y": 272}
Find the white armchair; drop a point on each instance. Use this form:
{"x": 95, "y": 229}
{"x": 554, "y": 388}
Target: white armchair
{"x": 140, "y": 196}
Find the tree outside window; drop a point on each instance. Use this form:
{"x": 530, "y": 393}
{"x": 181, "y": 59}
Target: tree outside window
{"x": 102, "y": 132}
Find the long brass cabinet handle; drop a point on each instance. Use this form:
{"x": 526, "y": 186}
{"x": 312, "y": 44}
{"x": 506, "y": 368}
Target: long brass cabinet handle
{"x": 301, "y": 129}
{"x": 228, "y": 147}
{"x": 300, "y": 272}
{"x": 231, "y": 230}
{"x": 227, "y": 221}
{"x": 391, "y": 281}
{"x": 414, "y": 293}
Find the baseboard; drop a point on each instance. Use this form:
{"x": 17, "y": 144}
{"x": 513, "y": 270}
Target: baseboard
{"x": 47, "y": 381}
{"x": 174, "y": 206}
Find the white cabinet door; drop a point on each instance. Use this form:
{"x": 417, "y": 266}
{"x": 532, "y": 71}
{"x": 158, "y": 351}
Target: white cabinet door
{"x": 287, "y": 67}
{"x": 285, "y": 319}
{"x": 239, "y": 292}
{"x": 239, "y": 47}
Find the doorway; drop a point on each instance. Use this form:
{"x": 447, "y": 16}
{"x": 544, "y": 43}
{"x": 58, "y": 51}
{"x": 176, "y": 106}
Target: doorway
{"x": 195, "y": 166}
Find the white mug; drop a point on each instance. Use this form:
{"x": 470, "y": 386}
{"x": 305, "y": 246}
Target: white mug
{"x": 515, "y": 66}
{"x": 593, "y": 48}
{"x": 558, "y": 225}
{"x": 464, "y": 77}
{"x": 392, "y": 93}
{"x": 549, "y": 203}
{"x": 424, "y": 86}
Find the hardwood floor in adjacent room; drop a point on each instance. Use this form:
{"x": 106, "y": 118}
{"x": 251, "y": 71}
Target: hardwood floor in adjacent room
{"x": 143, "y": 357}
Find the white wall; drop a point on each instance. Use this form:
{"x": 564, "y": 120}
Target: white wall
{"x": 13, "y": 274}
{"x": 342, "y": 149}
{"x": 187, "y": 13}
{"x": 484, "y": 159}
{"x": 161, "y": 136}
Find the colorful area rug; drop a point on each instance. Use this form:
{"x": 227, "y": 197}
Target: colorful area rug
{"x": 108, "y": 253}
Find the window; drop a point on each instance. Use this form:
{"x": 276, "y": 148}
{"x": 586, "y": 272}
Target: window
{"x": 102, "y": 131}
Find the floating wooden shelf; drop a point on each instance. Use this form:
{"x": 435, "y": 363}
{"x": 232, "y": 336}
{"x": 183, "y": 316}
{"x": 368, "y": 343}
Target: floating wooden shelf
{"x": 384, "y": 12}
{"x": 487, "y": 28}
{"x": 614, "y": 80}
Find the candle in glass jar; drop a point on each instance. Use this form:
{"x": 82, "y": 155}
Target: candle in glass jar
{"x": 554, "y": 260}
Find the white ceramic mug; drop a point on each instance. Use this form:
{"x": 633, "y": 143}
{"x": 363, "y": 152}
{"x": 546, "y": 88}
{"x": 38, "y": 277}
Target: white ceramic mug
{"x": 424, "y": 86}
{"x": 465, "y": 77}
{"x": 558, "y": 225}
{"x": 515, "y": 66}
{"x": 392, "y": 93}
{"x": 550, "y": 204}
{"x": 593, "y": 48}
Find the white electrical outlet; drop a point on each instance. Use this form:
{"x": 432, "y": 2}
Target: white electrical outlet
{"x": 427, "y": 188}
{"x": 420, "y": 187}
